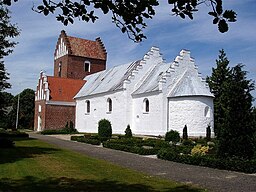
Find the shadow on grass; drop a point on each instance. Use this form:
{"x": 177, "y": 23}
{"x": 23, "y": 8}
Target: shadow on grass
{"x": 11, "y": 155}
{"x": 70, "y": 184}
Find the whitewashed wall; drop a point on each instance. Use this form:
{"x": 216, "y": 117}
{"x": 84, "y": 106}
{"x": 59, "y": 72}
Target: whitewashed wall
{"x": 88, "y": 122}
{"x": 190, "y": 111}
{"x": 148, "y": 123}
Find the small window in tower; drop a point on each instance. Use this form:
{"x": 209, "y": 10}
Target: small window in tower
{"x": 59, "y": 71}
{"x": 146, "y": 105}
{"x": 88, "y": 107}
{"x": 207, "y": 112}
{"x": 109, "y": 105}
{"x": 87, "y": 66}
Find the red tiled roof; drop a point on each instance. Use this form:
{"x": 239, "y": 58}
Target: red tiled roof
{"x": 86, "y": 48}
{"x": 63, "y": 89}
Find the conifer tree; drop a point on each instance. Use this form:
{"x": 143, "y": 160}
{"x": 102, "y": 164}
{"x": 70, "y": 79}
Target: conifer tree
{"x": 236, "y": 135}
{"x": 220, "y": 75}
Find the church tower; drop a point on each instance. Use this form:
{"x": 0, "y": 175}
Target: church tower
{"x": 76, "y": 58}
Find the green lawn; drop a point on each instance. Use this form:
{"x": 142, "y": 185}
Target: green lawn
{"x": 33, "y": 166}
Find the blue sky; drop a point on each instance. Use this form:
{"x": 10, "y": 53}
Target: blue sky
{"x": 39, "y": 35}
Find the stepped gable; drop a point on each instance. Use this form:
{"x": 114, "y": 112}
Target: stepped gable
{"x": 187, "y": 81}
{"x": 80, "y": 47}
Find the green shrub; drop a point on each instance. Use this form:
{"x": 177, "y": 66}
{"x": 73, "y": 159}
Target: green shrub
{"x": 104, "y": 130}
{"x": 128, "y": 132}
{"x": 208, "y": 133}
{"x": 13, "y": 134}
{"x": 69, "y": 128}
{"x": 185, "y": 133}
{"x": 188, "y": 142}
{"x": 173, "y": 136}
{"x": 85, "y": 140}
{"x": 247, "y": 166}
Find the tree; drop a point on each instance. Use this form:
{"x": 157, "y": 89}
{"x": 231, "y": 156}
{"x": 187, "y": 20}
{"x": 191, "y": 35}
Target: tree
{"x": 5, "y": 108}
{"x": 130, "y": 15}
{"x": 236, "y": 134}
{"x": 216, "y": 81}
{"x": 7, "y": 31}
{"x": 26, "y": 109}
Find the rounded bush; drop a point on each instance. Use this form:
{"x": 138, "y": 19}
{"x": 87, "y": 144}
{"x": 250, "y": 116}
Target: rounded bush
{"x": 104, "y": 129}
{"x": 173, "y": 136}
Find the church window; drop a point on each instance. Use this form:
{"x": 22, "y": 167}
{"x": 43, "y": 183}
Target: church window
{"x": 87, "y": 66}
{"x": 207, "y": 111}
{"x": 109, "y": 105}
{"x": 59, "y": 70}
{"x": 146, "y": 105}
{"x": 88, "y": 107}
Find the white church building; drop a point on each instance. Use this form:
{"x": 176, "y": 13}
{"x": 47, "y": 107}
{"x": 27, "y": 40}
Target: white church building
{"x": 150, "y": 95}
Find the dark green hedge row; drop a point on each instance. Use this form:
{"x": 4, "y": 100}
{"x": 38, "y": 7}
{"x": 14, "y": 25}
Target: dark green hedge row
{"x": 247, "y": 166}
{"x": 13, "y": 134}
{"x": 132, "y": 148}
{"x": 86, "y": 140}
{"x": 60, "y": 131}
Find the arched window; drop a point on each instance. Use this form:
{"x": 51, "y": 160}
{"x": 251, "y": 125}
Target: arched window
{"x": 109, "y": 105}
{"x": 146, "y": 105}
{"x": 207, "y": 111}
{"x": 88, "y": 107}
{"x": 87, "y": 66}
{"x": 59, "y": 70}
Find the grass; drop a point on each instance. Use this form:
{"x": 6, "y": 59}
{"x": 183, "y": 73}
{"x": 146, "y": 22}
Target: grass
{"x": 34, "y": 165}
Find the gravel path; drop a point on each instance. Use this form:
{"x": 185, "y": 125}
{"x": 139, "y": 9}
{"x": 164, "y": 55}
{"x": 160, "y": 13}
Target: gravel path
{"x": 211, "y": 179}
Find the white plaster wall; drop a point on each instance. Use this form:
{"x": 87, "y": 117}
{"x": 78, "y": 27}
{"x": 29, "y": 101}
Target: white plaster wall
{"x": 190, "y": 111}
{"x": 148, "y": 123}
{"x": 88, "y": 122}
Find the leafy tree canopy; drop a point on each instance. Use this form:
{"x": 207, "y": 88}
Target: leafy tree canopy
{"x": 26, "y": 109}
{"x": 7, "y": 31}
{"x": 130, "y": 15}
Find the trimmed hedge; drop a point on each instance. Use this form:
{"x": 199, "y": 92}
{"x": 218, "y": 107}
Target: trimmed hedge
{"x": 247, "y": 166}
{"x": 130, "y": 148}
{"x": 136, "y": 145}
{"x": 13, "y": 134}
{"x": 58, "y": 131}
{"x": 85, "y": 140}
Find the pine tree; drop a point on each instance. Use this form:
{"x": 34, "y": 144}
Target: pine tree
{"x": 220, "y": 75}
{"x": 236, "y": 135}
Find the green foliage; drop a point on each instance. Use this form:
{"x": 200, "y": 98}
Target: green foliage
{"x": 233, "y": 164}
{"x": 67, "y": 130}
{"x": 130, "y": 16}
{"x": 236, "y": 136}
{"x": 26, "y": 109}
{"x": 128, "y": 132}
{"x": 208, "y": 133}
{"x": 220, "y": 75}
{"x": 173, "y": 136}
{"x": 5, "y": 108}
{"x": 185, "y": 133}
{"x": 86, "y": 140}
{"x": 13, "y": 134}
{"x": 104, "y": 129}
{"x": 7, "y": 32}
